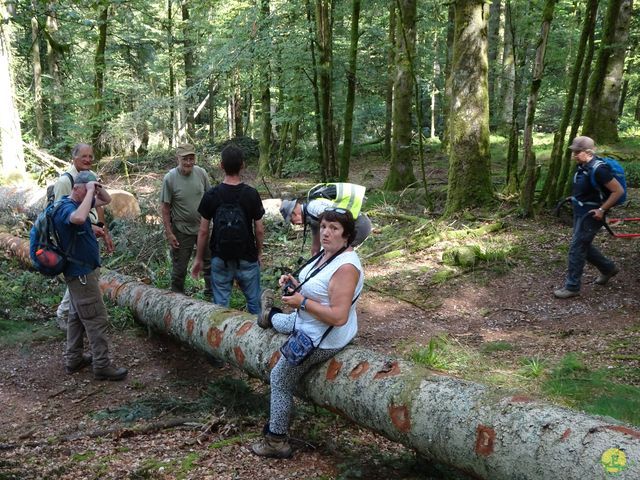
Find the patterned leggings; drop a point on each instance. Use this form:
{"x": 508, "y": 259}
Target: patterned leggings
{"x": 285, "y": 377}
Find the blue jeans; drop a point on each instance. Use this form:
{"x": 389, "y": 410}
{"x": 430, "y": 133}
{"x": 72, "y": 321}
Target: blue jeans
{"x": 585, "y": 228}
{"x": 247, "y": 274}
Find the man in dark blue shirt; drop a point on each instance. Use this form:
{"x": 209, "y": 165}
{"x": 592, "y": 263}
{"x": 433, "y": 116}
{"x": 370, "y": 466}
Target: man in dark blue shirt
{"x": 589, "y": 208}
{"x": 87, "y": 313}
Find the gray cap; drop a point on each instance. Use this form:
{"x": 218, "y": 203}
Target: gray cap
{"x": 286, "y": 209}
{"x": 84, "y": 177}
{"x": 580, "y": 144}
{"x": 185, "y": 149}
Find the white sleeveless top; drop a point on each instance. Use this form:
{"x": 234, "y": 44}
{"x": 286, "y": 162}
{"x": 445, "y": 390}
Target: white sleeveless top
{"x": 317, "y": 289}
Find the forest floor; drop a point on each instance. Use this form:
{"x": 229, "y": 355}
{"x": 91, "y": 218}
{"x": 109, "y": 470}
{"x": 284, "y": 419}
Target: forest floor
{"x": 179, "y": 416}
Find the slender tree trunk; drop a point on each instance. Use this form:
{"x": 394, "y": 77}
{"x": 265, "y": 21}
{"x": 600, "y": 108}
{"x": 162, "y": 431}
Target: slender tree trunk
{"x": 479, "y": 430}
{"x": 351, "y": 93}
{"x": 391, "y": 53}
{"x": 469, "y": 160}
{"x": 447, "y": 100}
{"x": 601, "y": 116}
{"x": 98, "y": 90}
{"x": 556, "y": 172}
{"x": 565, "y": 184}
{"x": 434, "y": 89}
{"x": 529, "y": 187}
{"x": 38, "y": 111}
{"x": 265, "y": 99}
{"x": 401, "y": 169}
{"x": 213, "y": 90}
{"x": 11, "y": 149}
{"x": 636, "y": 114}
{"x": 507, "y": 91}
{"x": 56, "y": 108}
{"x": 237, "y": 108}
{"x": 316, "y": 91}
{"x": 324, "y": 32}
{"x": 494, "y": 68}
{"x": 189, "y": 67}
{"x": 172, "y": 76}
{"x": 623, "y": 97}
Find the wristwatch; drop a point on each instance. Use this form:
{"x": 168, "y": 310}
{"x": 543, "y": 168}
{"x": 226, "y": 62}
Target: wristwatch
{"x": 303, "y": 305}
{"x": 602, "y": 210}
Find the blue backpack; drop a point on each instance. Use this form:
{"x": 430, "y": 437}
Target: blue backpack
{"x": 618, "y": 174}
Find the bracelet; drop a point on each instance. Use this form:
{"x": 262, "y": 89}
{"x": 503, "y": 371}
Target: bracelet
{"x": 303, "y": 305}
{"x": 602, "y": 209}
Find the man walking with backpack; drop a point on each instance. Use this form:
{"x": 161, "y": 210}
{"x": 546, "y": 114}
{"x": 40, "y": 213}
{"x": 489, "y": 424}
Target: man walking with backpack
{"x": 182, "y": 190}
{"x": 81, "y": 161}
{"x": 595, "y": 190}
{"x": 237, "y": 236}
{"x": 87, "y": 313}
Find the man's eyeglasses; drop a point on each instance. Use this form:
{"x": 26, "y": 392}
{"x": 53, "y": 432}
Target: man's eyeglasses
{"x": 341, "y": 211}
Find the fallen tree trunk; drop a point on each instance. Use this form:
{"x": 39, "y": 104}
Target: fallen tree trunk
{"x": 473, "y": 428}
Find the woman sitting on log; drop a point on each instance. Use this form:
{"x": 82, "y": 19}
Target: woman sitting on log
{"x": 325, "y": 316}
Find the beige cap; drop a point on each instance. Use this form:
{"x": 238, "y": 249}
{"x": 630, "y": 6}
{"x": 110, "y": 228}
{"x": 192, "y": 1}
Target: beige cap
{"x": 580, "y": 144}
{"x": 185, "y": 149}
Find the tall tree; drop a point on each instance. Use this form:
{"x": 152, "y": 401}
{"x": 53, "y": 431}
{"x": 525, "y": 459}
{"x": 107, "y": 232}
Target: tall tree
{"x": 265, "y": 98}
{"x": 38, "y": 110}
{"x": 189, "y": 65}
{"x": 469, "y": 159}
{"x": 324, "y": 41}
{"x": 446, "y": 104}
{"x": 11, "y": 149}
{"x": 172, "y": 77}
{"x": 401, "y": 168}
{"x": 530, "y": 177}
{"x": 98, "y": 84}
{"x": 391, "y": 55}
{"x": 351, "y": 93}
{"x": 601, "y": 116}
{"x": 56, "y": 108}
{"x": 494, "y": 47}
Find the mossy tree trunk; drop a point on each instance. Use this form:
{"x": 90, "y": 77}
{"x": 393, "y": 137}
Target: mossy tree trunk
{"x": 556, "y": 171}
{"x": 530, "y": 174}
{"x": 446, "y": 103}
{"x": 601, "y": 116}
{"x": 265, "y": 98}
{"x": 495, "y": 14}
{"x": 98, "y": 84}
{"x": 471, "y": 427}
{"x": 351, "y": 93}
{"x": 469, "y": 158}
{"x": 391, "y": 55}
{"x": 56, "y": 109}
{"x": 401, "y": 168}
{"x": 38, "y": 110}
{"x": 507, "y": 83}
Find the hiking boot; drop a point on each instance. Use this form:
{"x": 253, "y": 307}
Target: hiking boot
{"x": 565, "y": 293}
{"x": 267, "y": 300}
{"x": 272, "y": 446}
{"x": 603, "y": 278}
{"x": 110, "y": 373}
{"x": 86, "y": 360}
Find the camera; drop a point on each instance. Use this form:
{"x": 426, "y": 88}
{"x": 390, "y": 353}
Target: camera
{"x": 288, "y": 289}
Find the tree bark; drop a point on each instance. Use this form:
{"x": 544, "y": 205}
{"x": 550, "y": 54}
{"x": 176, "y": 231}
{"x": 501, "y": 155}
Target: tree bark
{"x": 494, "y": 67}
{"x": 98, "y": 90}
{"x": 316, "y": 90}
{"x": 401, "y": 168}
{"x": 351, "y": 93}
{"x": 469, "y": 159}
{"x": 446, "y": 104}
{"x": 172, "y": 77}
{"x": 264, "y": 167}
{"x": 391, "y": 55}
{"x": 507, "y": 84}
{"x": 555, "y": 173}
{"x": 38, "y": 110}
{"x": 601, "y": 116}
{"x": 456, "y": 422}
{"x": 623, "y": 96}
{"x": 56, "y": 108}
{"x": 530, "y": 177}
{"x": 189, "y": 67}
{"x": 11, "y": 149}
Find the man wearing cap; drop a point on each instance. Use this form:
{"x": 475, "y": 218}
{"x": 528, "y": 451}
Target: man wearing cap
{"x": 87, "y": 312}
{"x": 589, "y": 209}
{"x": 298, "y": 213}
{"x": 81, "y": 160}
{"x": 182, "y": 190}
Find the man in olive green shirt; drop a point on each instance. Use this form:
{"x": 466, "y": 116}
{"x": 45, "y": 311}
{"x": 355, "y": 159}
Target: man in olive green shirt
{"x": 182, "y": 190}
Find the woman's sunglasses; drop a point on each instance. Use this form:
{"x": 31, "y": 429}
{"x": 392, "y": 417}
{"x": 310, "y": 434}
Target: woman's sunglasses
{"x": 338, "y": 210}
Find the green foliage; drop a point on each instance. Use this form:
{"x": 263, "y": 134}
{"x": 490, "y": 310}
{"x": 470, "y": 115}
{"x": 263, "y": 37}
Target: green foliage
{"x": 497, "y": 346}
{"x": 532, "y": 367}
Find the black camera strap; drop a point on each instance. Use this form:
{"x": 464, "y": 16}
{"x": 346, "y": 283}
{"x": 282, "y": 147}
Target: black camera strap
{"x": 318, "y": 269}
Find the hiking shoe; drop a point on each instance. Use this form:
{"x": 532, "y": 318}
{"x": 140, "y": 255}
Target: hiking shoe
{"x": 565, "y": 293}
{"x": 273, "y": 446}
{"x": 86, "y": 360}
{"x": 110, "y": 373}
{"x": 267, "y": 300}
{"x": 603, "y": 278}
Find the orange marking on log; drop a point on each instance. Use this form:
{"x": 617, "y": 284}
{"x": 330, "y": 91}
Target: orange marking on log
{"x": 565, "y": 435}
{"x": 621, "y": 429}
{"x": 359, "y": 370}
{"x": 389, "y": 370}
{"x": 485, "y": 439}
{"x": 167, "y": 321}
{"x": 239, "y": 355}
{"x": 521, "y": 399}
{"x": 334, "y": 369}
{"x": 214, "y": 337}
{"x": 190, "y": 325}
{"x": 274, "y": 359}
{"x": 400, "y": 417}
{"x": 244, "y": 328}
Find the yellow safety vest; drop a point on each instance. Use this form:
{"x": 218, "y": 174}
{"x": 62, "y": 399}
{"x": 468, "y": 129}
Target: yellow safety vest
{"x": 349, "y": 196}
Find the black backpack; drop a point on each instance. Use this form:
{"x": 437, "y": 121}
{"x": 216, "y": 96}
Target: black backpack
{"x": 231, "y": 230}
{"x": 50, "y": 194}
